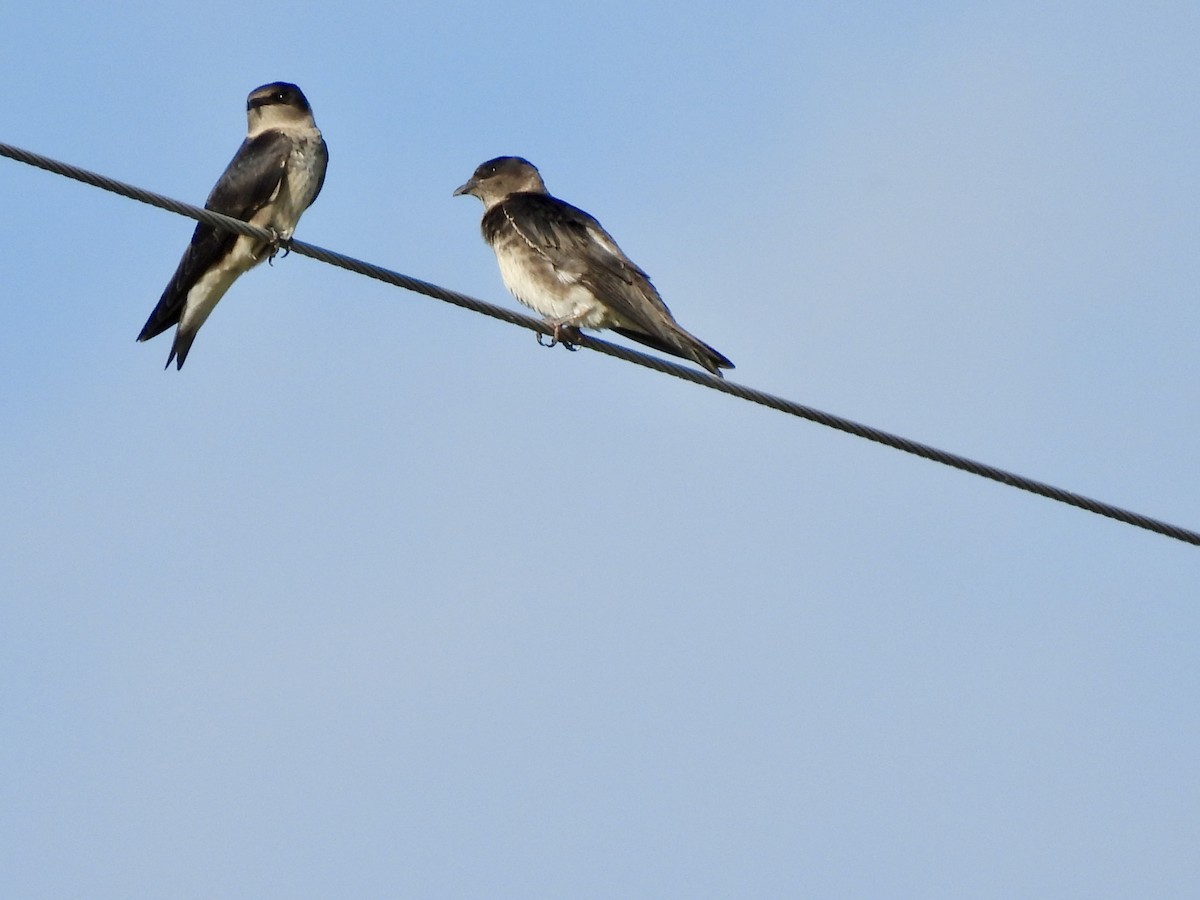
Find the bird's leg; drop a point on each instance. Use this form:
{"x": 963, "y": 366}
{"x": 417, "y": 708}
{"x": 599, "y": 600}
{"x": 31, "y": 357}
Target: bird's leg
{"x": 278, "y": 242}
{"x": 568, "y": 336}
{"x": 565, "y": 333}
{"x": 556, "y": 337}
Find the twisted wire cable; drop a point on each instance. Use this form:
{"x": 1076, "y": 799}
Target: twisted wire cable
{"x": 695, "y": 376}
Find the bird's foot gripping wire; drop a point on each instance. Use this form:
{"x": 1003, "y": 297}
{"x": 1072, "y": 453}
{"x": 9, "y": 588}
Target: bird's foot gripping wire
{"x": 278, "y": 242}
{"x": 564, "y": 333}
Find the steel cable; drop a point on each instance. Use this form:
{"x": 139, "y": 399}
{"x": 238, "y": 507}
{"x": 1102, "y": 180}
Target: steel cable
{"x": 696, "y": 376}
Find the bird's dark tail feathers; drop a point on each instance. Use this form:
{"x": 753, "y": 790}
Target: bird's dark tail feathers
{"x": 686, "y": 346}
{"x": 180, "y": 347}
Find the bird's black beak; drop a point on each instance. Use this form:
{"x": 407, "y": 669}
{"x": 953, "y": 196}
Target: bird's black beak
{"x": 464, "y": 188}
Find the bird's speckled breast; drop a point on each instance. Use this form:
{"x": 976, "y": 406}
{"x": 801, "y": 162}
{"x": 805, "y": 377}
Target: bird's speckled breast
{"x": 299, "y": 188}
{"x": 532, "y": 278}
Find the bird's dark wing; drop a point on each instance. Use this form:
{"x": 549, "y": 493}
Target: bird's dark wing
{"x": 252, "y": 178}
{"x": 579, "y": 248}
{"x": 249, "y": 182}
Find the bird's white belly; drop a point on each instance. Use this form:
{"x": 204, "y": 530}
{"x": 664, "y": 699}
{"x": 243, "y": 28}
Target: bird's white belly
{"x": 296, "y": 192}
{"x": 547, "y": 292}
{"x": 213, "y": 284}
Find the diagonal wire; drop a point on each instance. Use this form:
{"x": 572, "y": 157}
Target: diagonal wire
{"x": 695, "y": 376}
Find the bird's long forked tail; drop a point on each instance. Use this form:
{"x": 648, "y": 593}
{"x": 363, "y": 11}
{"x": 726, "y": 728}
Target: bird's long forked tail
{"x": 180, "y": 347}
{"x": 182, "y": 342}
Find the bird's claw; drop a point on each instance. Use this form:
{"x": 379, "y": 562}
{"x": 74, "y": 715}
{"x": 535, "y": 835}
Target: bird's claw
{"x": 278, "y": 242}
{"x": 564, "y": 334}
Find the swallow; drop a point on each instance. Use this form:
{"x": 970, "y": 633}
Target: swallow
{"x": 557, "y": 260}
{"x": 275, "y": 175}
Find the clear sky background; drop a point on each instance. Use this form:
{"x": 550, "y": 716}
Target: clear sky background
{"x": 376, "y": 598}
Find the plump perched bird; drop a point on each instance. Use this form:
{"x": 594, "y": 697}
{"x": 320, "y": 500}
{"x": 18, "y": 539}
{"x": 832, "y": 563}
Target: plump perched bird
{"x": 275, "y": 175}
{"x": 557, "y": 260}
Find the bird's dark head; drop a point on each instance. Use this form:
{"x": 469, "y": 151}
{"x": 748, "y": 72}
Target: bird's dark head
{"x": 500, "y": 178}
{"x": 276, "y": 104}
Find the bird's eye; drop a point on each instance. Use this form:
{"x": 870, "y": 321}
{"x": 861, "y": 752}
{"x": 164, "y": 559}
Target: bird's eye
{"x": 281, "y": 96}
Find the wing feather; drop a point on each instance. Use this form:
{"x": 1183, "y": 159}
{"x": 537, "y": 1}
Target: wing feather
{"x": 579, "y": 249}
{"x": 250, "y": 181}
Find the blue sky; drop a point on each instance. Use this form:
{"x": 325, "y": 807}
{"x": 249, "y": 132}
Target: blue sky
{"x": 376, "y": 598}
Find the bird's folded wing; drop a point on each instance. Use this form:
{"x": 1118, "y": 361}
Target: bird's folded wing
{"x": 250, "y": 182}
{"x": 581, "y": 250}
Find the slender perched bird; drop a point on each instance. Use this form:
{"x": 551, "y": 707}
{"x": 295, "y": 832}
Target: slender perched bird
{"x": 557, "y": 260}
{"x": 275, "y": 175}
